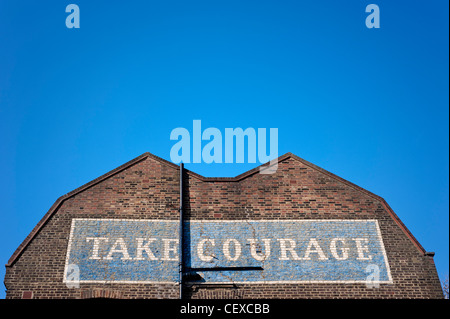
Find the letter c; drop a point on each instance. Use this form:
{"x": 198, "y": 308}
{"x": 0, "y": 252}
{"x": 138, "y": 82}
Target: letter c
{"x": 200, "y": 250}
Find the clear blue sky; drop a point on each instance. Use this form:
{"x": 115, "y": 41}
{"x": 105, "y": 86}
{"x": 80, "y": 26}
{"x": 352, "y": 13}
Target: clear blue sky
{"x": 370, "y": 105}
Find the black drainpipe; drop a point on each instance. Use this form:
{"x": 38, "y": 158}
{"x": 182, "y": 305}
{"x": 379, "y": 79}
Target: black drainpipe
{"x": 180, "y": 241}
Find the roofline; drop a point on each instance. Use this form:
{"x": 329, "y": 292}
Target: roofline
{"x": 377, "y": 197}
{"x": 238, "y": 178}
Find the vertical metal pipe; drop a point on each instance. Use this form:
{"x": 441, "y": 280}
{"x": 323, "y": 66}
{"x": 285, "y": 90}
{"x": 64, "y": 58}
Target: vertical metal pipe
{"x": 181, "y": 235}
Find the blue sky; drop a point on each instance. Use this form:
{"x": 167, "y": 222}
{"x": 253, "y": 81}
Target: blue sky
{"x": 370, "y": 105}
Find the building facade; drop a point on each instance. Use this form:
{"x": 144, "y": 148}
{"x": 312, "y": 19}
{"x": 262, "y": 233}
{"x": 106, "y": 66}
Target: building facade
{"x": 301, "y": 232}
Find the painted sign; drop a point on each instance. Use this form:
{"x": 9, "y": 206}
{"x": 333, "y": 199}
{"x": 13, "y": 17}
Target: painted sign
{"x": 254, "y": 251}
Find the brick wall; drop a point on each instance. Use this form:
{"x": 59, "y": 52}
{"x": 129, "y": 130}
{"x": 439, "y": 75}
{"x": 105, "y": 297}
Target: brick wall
{"x": 148, "y": 188}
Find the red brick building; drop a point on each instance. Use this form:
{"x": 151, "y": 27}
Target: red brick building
{"x": 301, "y": 232}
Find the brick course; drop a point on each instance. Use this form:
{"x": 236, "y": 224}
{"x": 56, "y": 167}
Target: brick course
{"x": 148, "y": 188}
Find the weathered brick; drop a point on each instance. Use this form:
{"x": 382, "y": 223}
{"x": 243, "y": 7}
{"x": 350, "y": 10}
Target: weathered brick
{"x": 148, "y": 188}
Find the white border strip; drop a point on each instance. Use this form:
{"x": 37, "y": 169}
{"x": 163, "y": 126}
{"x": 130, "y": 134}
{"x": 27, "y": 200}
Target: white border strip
{"x": 69, "y": 246}
{"x": 291, "y": 282}
{"x": 228, "y": 221}
{"x": 383, "y": 250}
